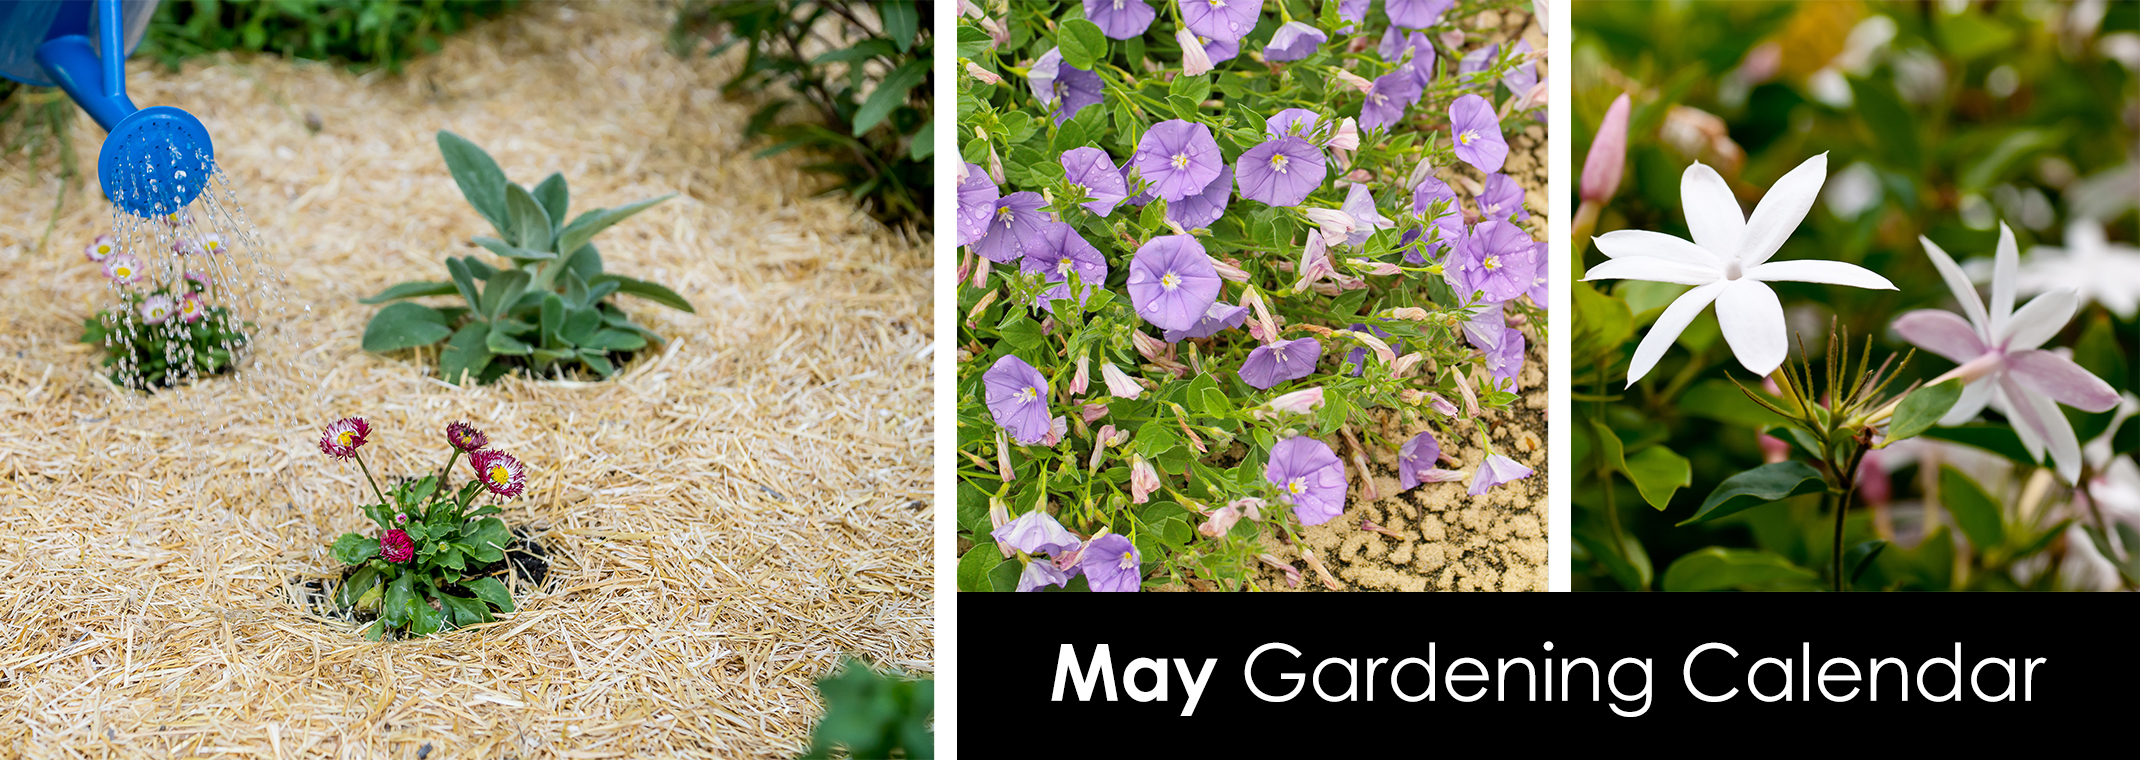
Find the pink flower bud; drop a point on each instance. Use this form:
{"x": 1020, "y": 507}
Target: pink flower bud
{"x": 1409, "y": 312}
{"x": 973, "y": 317}
{"x": 1441, "y": 405}
{"x": 1320, "y": 571}
{"x": 1147, "y": 346}
{"x": 1194, "y": 60}
{"x": 1335, "y": 224}
{"x": 1354, "y": 79}
{"x": 1229, "y": 270}
{"x": 1406, "y": 363}
{"x": 981, "y": 269}
{"x": 1119, "y": 385}
{"x": 1263, "y": 327}
{"x": 1003, "y": 458}
{"x": 995, "y": 165}
{"x": 1773, "y": 449}
{"x": 1083, "y": 378}
{"x": 998, "y": 32}
{"x": 1345, "y": 137}
{"x": 1143, "y": 480}
{"x": 999, "y": 514}
{"x": 1092, "y": 412}
{"x": 1220, "y": 522}
{"x": 1608, "y": 154}
{"x": 1378, "y": 268}
{"x": 1292, "y": 574}
{"x": 1250, "y": 506}
{"x": 1057, "y": 428}
{"x": 983, "y": 75}
{"x": 969, "y": 10}
{"x": 1315, "y": 260}
{"x": 1381, "y": 349}
{"x": 1299, "y": 402}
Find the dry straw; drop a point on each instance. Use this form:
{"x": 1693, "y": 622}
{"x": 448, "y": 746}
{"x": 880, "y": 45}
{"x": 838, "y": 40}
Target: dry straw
{"x": 726, "y": 519}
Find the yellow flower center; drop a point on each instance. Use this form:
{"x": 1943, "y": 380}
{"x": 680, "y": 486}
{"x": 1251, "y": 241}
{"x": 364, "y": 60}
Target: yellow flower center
{"x": 1028, "y": 394}
{"x": 1278, "y": 162}
{"x": 104, "y": 249}
{"x": 1466, "y": 137}
{"x": 1296, "y": 486}
{"x": 1003, "y": 214}
{"x": 500, "y": 475}
{"x": 343, "y": 438}
{"x": 1181, "y": 160}
{"x": 1491, "y": 263}
{"x": 123, "y": 271}
{"x": 1063, "y": 267}
{"x": 1170, "y": 281}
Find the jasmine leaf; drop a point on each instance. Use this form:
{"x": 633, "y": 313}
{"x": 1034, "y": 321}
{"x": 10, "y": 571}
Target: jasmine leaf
{"x": 1758, "y": 486}
{"x": 1716, "y": 568}
{"x": 1920, "y": 410}
{"x": 1975, "y": 512}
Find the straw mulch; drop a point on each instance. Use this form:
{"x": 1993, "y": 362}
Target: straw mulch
{"x": 725, "y": 521}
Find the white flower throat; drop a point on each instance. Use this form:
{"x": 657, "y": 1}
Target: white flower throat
{"x": 1181, "y": 161}
{"x": 1028, "y": 394}
{"x": 1279, "y": 161}
{"x": 1467, "y": 137}
{"x": 1170, "y": 281}
{"x": 1296, "y": 486}
{"x": 1491, "y": 263}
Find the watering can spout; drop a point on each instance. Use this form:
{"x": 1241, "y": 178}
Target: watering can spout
{"x": 156, "y": 160}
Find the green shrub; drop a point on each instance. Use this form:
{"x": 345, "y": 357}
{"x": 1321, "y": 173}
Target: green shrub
{"x": 364, "y": 33}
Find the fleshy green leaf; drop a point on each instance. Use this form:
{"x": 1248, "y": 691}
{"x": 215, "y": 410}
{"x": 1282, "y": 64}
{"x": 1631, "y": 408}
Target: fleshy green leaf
{"x": 482, "y": 183}
{"x": 531, "y": 224}
{"x": 1758, "y": 486}
{"x": 467, "y": 353}
{"x": 490, "y": 591}
{"x": 354, "y": 549}
{"x": 502, "y": 291}
{"x": 489, "y": 538}
{"x": 405, "y": 325}
{"x": 394, "y": 608}
{"x": 553, "y": 196}
{"x": 411, "y": 290}
{"x": 646, "y": 290}
{"x": 584, "y": 228}
{"x": 1975, "y": 512}
{"x": 465, "y": 611}
{"x": 511, "y": 251}
{"x": 1716, "y": 568}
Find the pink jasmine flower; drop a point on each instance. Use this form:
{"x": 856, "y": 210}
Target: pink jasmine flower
{"x": 1293, "y": 41}
{"x": 100, "y": 248}
{"x": 1476, "y": 132}
{"x": 157, "y": 308}
{"x": 1172, "y": 282}
{"x": 1496, "y": 470}
{"x": 1608, "y": 154}
{"x": 1092, "y": 169}
{"x": 1280, "y": 361}
{"x": 1119, "y": 385}
{"x": 1018, "y": 399}
{"x": 977, "y": 203}
{"x": 1120, "y": 19}
{"x": 1111, "y": 563}
{"x": 1311, "y": 476}
{"x": 1225, "y": 20}
{"x": 1018, "y": 222}
{"x": 2001, "y": 364}
{"x": 1180, "y": 159}
{"x": 1280, "y": 171}
{"x": 1728, "y": 263}
{"x": 1418, "y": 455}
{"x": 1200, "y": 210}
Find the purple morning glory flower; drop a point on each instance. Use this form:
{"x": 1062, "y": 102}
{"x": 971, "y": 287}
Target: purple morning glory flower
{"x": 1279, "y": 361}
{"x": 1498, "y": 258}
{"x": 1061, "y": 251}
{"x": 1311, "y": 475}
{"x": 1521, "y": 79}
{"x": 1281, "y": 171}
{"x": 1486, "y": 327}
{"x": 1092, "y": 169}
{"x": 1036, "y": 532}
{"x": 1416, "y": 14}
{"x": 1111, "y": 563}
{"x": 1172, "y": 282}
{"x": 1018, "y": 399}
{"x": 977, "y": 202}
{"x": 1478, "y": 60}
{"x": 1063, "y": 88}
{"x": 1120, "y": 19}
{"x": 1477, "y": 133}
{"x": 1220, "y": 316}
{"x": 1397, "y": 41}
{"x": 1417, "y": 455}
{"x": 1220, "y": 51}
{"x": 1040, "y": 574}
{"x": 1387, "y": 98}
{"x": 1507, "y": 360}
{"x": 1298, "y": 122}
{"x": 1179, "y": 158}
{"x": 1018, "y": 222}
{"x": 1221, "y": 19}
{"x": 1450, "y": 223}
{"x": 1496, "y": 470}
{"x": 1201, "y": 209}
{"x": 1360, "y": 204}
{"x": 1501, "y": 198}
{"x": 1294, "y": 41}
{"x": 1352, "y": 10}
{"x": 1538, "y": 279}
{"x": 1411, "y": 246}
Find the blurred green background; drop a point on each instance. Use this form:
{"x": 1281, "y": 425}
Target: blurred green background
{"x": 1939, "y": 119}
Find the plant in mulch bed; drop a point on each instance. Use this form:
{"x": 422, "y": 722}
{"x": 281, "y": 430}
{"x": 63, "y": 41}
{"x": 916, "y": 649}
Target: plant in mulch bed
{"x": 364, "y": 33}
{"x": 868, "y": 88}
{"x": 872, "y": 715}
{"x": 416, "y": 575}
{"x": 546, "y": 311}
{"x": 1189, "y": 306}
{"x": 166, "y": 334}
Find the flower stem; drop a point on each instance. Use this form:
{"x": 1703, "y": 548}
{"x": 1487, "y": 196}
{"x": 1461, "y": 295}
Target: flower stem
{"x": 444, "y": 475}
{"x": 368, "y": 478}
{"x": 1849, "y": 480}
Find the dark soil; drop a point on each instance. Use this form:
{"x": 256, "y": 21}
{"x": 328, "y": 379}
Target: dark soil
{"x": 526, "y": 566}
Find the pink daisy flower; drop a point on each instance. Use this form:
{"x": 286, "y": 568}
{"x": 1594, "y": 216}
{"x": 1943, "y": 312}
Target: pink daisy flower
{"x": 342, "y": 439}
{"x": 157, "y": 308}
{"x": 100, "y": 249}
{"x": 123, "y": 268}
{"x": 191, "y": 310}
{"x": 466, "y": 437}
{"x": 500, "y": 472}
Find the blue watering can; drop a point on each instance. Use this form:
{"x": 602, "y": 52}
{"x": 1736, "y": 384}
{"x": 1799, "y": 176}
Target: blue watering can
{"x": 155, "y": 160}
